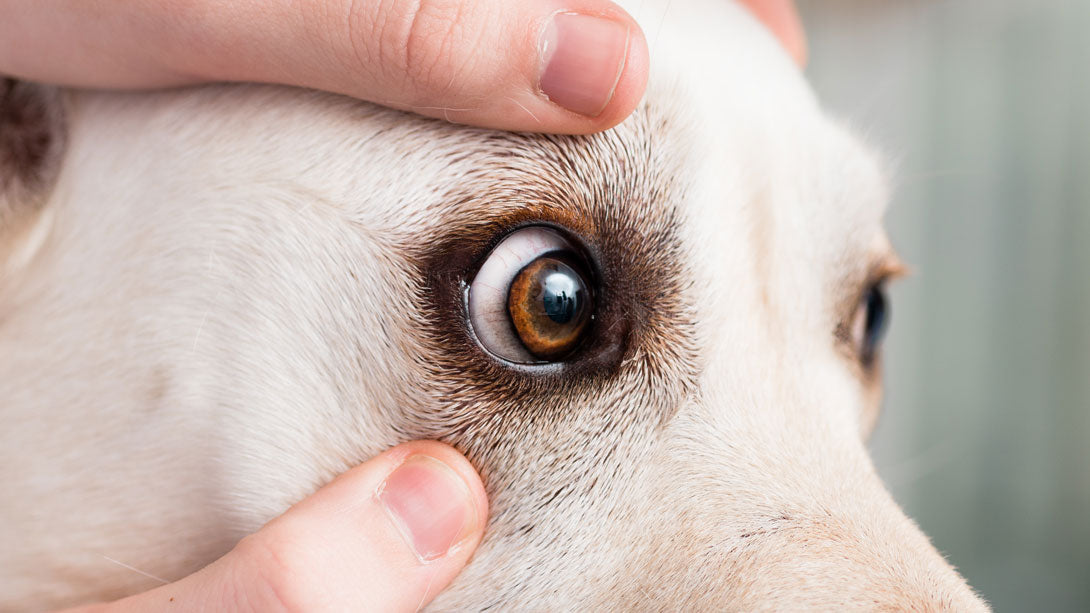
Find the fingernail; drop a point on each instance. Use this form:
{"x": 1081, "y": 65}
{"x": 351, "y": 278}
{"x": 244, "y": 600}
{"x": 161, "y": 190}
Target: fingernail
{"x": 582, "y": 60}
{"x": 430, "y": 504}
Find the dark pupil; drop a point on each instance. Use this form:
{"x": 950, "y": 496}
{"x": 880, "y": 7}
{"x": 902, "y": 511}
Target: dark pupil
{"x": 560, "y": 294}
{"x": 877, "y": 314}
{"x": 550, "y": 306}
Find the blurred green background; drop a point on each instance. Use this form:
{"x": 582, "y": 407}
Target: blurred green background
{"x": 983, "y": 108}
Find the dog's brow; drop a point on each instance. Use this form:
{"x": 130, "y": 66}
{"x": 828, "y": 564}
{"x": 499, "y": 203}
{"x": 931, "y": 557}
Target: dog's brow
{"x": 876, "y": 263}
{"x": 883, "y": 260}
{"x": 888, "y": 266}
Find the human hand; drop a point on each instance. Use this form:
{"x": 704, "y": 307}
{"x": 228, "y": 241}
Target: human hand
{"x": 385, "y": 536}
{"x": 479, "y": 62}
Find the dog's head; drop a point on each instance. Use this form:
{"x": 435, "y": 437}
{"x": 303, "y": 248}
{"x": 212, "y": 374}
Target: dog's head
{"x": 659, "y": 344}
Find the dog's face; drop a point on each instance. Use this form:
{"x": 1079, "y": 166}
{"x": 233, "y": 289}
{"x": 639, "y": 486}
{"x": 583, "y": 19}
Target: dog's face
{"x": 658, "y": 344}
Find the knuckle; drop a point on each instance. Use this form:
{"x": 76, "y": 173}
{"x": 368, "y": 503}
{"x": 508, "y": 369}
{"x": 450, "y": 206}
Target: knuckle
{"x": 428, "y": 42}
{"x": 277, "y": 574}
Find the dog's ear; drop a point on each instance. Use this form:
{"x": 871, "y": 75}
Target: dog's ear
{"x": 32, "y": 141}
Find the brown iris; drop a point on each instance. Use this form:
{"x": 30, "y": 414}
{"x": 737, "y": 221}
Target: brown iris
{"x": 550, "y": 307}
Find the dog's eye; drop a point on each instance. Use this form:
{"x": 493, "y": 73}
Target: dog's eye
{"x": 870, "y": 322}
{"x": 531, "y": 300}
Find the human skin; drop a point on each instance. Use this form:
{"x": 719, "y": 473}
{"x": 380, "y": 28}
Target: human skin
{"x": 479, "y": 62}
{"x": 409, "y": 519}
{"x": 387, "y": 535}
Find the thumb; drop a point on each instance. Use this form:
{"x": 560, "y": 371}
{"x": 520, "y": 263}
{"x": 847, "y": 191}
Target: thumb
{"x": 571, "y": 66}
{"x": 385, "y": 536}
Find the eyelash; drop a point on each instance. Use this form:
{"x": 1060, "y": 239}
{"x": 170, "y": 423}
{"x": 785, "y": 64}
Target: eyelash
{"x": 872, "y": 302}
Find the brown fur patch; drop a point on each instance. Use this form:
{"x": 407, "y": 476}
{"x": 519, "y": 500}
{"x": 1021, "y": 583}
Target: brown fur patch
{"x": 31, "y": 141}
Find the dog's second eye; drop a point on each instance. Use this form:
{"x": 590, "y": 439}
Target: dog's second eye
{"x": 869, "y": 324}
{"x": 531, "y": 301}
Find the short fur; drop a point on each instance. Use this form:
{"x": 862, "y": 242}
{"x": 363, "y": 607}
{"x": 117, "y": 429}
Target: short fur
{"x": 234, "y": 293}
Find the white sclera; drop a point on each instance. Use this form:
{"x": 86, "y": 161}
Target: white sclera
{"x": 488, "y": 291}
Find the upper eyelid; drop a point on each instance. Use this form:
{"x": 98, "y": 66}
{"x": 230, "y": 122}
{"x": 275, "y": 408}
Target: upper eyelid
{"x": 884, "y": 267}
{"x": 888, "y": 267}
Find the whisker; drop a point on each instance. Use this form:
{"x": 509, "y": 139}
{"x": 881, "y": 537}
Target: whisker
{"x": 521, "y": 106}
{"x": 134, "y": 569}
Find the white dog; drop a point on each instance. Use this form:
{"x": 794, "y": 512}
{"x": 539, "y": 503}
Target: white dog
{"x": 657, "y": 344}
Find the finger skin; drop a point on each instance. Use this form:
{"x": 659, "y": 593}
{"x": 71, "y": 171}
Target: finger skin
{"x": 470, "y": 61}
{"x": 337, "y": 550}
{"x": 782, "y": 17}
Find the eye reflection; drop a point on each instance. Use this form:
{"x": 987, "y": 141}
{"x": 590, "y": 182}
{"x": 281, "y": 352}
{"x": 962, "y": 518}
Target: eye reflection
{"x": 560, "y": 297}
{"x": 547, "y": 303}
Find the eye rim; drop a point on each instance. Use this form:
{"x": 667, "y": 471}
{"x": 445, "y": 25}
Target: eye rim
{"x": 884, "y": 268}
{"x": 579, "y": 257}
